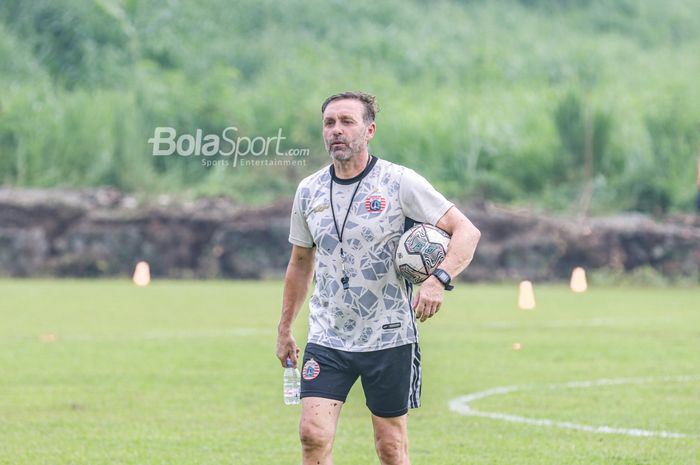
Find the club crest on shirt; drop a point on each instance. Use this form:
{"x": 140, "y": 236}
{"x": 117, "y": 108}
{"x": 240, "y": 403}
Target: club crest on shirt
{"x": 311, "y": 370}
{"x": 375, "y": 204}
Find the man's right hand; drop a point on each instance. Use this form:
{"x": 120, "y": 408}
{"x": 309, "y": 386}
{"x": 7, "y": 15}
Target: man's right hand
{"x": 287, "y": 348}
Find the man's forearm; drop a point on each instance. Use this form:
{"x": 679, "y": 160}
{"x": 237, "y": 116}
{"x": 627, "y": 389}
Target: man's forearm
{"x": 463, "y": 243}
{"x": 296, "y": 287}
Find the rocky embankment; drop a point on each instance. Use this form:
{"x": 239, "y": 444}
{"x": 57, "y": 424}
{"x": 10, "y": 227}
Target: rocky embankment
{"x": 104, "y": 232}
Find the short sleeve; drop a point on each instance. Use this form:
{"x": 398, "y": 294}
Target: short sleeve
{"x": 419, "y": 199}
{"x": 299, "y": 233}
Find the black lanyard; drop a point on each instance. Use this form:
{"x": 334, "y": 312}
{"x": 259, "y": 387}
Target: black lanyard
{"x": 345, "y": 280}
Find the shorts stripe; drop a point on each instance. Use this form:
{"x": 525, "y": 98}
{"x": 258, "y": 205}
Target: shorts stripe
{"x": 414, "y": 391}
{"x": 409, "y": 292}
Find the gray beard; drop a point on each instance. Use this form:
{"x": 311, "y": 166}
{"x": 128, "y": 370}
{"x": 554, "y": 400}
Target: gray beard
{"x": 345, "y": 154}
{"x": 341, "y": 155}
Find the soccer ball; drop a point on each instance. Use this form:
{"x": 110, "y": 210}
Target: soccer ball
{"x": 420, "y": 251}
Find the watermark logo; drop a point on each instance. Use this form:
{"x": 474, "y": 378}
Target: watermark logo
{"x": 229, "y": 148}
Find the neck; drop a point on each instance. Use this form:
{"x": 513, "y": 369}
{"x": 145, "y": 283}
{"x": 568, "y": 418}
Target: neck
{"x": 347, "y": 169}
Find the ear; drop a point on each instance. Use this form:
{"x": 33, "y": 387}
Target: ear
{"x": 371, "y": 130}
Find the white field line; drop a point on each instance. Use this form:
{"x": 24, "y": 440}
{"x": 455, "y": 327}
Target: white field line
{"x": 149, "y": 335}
{"x": 578, "y": 323}
{"x": 206, "y": 333}
{"x": 461, "y": 405}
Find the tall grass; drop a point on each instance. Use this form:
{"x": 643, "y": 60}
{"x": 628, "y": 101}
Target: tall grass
{"x": 488, "y": 99}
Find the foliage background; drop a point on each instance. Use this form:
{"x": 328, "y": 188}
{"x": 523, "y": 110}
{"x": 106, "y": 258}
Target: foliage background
{"x": 488, "y": 99}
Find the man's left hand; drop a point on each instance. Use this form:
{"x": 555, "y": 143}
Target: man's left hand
{"x": 428, "y": 298}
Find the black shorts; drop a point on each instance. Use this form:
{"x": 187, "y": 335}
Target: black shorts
{"x": 391, "y": 378}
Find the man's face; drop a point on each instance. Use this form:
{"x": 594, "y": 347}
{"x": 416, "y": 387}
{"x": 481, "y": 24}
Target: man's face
{"x": 345, "y": 133}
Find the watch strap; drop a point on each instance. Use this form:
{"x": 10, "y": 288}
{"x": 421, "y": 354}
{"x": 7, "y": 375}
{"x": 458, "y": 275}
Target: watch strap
{"x": 444, "y": 278}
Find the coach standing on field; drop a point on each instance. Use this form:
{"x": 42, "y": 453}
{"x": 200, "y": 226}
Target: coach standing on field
{"x": 346, "y": 222}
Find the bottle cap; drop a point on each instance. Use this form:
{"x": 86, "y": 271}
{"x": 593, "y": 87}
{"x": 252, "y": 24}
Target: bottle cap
{"x": 289, "y": 363}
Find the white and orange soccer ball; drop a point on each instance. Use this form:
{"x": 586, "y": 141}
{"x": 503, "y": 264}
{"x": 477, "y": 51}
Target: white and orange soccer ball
{"x": 420, "y": 251}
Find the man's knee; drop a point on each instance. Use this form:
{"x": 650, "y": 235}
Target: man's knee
{"x": 314, "y": 436}
{"x": 391, "y": 449}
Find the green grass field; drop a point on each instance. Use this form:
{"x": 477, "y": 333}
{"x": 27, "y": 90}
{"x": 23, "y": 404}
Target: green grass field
{"x": 102, "y": 372}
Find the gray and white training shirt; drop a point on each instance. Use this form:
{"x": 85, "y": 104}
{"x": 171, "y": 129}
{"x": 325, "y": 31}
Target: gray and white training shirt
{"x": 375, "y": 312}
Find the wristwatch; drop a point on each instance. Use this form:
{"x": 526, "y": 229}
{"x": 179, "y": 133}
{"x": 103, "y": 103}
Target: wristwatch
{"x": 444, "y": 278}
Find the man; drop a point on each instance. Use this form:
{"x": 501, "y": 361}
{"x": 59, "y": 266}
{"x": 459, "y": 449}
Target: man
{"x": 345, "y": 225}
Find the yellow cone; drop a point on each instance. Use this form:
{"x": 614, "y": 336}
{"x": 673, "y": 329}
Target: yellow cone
{"x": 142, "y": 274}
{"x": 526, "y": 296}
{"x": 578, "y": 280}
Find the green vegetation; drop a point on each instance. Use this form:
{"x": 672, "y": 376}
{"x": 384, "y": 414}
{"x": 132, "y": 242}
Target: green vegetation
{"x": 102, "y": 372}
{"x": 554, "y": 103}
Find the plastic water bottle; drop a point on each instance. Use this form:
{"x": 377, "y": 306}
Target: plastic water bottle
{"x": 292, "y": 384}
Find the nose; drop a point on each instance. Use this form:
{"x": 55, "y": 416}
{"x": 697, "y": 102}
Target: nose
{"x": 336, "y": 129}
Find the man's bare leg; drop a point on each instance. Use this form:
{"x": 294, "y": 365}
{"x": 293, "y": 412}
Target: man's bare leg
{"x": 391, "y": 439}
{"x": 319, "y": 418}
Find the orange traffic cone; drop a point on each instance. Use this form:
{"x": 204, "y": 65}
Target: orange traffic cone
{"x": 578, "y": 280}
{"x": 526, "y": 296}
{"x": 142, "y": 274}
